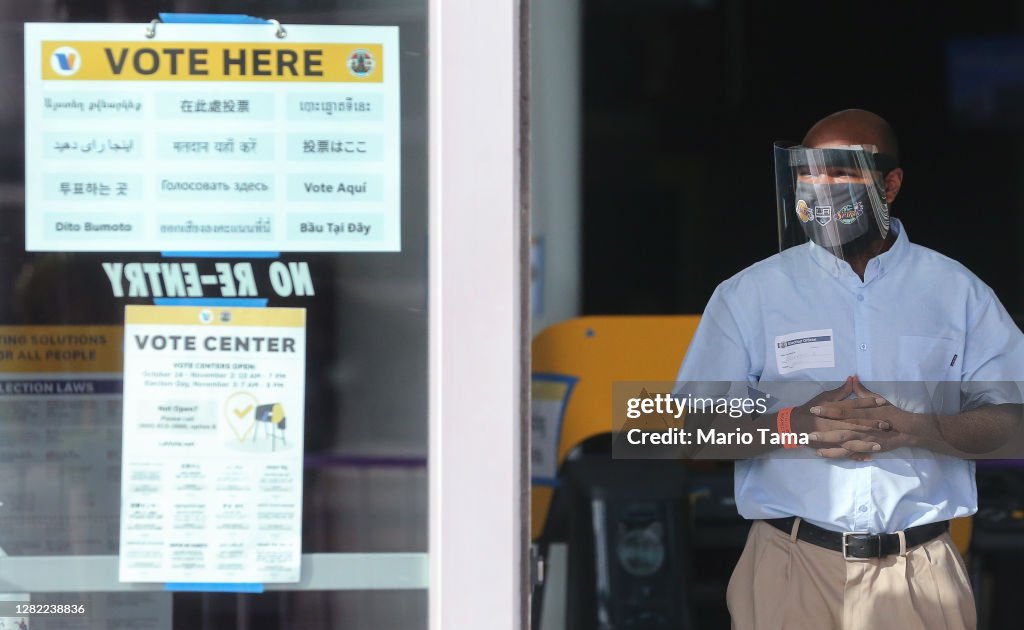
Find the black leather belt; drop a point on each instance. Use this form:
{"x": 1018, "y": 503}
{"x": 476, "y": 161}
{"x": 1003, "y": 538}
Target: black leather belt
{"x": 860, "y": 545}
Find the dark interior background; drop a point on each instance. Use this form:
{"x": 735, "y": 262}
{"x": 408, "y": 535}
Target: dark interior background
{"x": 683, "y": 98}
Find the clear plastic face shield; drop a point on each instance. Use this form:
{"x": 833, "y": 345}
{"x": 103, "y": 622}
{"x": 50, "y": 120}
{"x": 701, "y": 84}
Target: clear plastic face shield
{"x": 834, "y": 197}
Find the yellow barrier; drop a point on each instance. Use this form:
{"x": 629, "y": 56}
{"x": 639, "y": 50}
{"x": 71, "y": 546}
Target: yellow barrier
{"x": 597, "y": 351}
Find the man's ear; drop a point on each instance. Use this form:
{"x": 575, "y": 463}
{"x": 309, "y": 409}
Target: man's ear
{"x": 893, "y": 183}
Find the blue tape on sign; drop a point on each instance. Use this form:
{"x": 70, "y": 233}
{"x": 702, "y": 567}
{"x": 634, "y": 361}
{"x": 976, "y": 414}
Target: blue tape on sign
{"x": 210, "y": 18}
{"x": 214, "y": 587}
{"x": 244, "y": 302}
{"x": 220, "y": 254}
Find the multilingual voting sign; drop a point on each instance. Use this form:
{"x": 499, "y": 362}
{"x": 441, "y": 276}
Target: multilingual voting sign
{"x": 211, "y": 137}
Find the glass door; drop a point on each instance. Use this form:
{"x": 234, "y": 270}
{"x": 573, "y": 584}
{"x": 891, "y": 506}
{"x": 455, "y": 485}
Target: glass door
{"x": 411, "y": 424}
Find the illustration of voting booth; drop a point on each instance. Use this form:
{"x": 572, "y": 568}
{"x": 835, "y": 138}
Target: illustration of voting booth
{"x": 273, "y": 421}
{"x": 219, "y": 392}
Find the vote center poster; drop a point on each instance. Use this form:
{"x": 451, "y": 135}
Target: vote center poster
{"x": 212, "y": 444}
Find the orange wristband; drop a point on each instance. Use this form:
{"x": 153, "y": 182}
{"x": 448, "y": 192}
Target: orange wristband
{"x": 784, "y": 426}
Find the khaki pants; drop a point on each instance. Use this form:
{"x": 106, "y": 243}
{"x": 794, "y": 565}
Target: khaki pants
{"x": 784, "y": 583}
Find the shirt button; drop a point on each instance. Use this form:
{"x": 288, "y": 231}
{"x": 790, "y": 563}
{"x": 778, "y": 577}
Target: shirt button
{"x": 863, "y": 346}
{"x": 862, "y": 508}
{"x": 860, "y": 298}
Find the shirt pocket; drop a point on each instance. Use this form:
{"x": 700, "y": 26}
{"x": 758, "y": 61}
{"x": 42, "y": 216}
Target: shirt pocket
{"x": 928, "y": 358}
{"x": 928, "y": 374}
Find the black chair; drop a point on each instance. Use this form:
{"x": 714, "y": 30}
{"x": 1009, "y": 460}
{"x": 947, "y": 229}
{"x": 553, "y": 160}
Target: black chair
{"x": 626, "y": 524}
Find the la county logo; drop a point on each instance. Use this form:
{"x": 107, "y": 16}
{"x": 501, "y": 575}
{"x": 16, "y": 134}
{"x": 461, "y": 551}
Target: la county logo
{"x": 65, "y": 61}
{"x": 361, "y": 63}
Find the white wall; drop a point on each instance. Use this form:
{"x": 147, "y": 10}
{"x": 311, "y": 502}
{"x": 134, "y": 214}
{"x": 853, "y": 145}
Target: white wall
{"x": 477, "y": 478}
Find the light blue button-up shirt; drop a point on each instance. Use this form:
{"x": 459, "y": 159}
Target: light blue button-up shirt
{"x": 917, "y": 316}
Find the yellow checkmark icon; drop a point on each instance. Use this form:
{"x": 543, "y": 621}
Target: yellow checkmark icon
{"x": 241, "y": 413}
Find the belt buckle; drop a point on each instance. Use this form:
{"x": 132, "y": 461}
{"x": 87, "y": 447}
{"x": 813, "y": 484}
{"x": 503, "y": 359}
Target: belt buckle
{"x": 859, "y": 533}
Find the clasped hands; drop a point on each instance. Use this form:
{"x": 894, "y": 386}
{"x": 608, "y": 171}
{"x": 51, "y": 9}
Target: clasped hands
{"x": 842, "y": 427}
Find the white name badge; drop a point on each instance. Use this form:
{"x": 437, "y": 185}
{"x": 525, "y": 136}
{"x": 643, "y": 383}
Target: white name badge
{"x": 805, "y": 350}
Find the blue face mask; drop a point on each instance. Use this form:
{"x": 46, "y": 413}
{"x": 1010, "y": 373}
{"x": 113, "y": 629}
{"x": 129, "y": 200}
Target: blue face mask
{"x": 834, "y": 215}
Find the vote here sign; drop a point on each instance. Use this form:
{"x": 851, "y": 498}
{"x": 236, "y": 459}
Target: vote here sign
{"x": 212, "y": 137}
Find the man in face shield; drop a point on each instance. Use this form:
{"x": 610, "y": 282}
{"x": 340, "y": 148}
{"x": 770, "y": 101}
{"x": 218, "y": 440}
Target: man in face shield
{"x": 837, "y": 195}
{"x": 851, "y": 531}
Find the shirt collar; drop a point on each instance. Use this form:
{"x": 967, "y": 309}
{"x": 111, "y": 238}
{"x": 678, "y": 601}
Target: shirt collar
{"x": 877, "y": 266}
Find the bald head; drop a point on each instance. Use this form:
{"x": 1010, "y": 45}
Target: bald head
{"x": 853, "y": 126}
{"x": 858, "y": 126}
